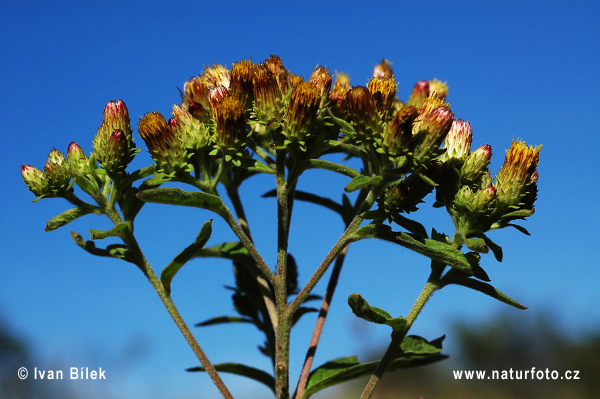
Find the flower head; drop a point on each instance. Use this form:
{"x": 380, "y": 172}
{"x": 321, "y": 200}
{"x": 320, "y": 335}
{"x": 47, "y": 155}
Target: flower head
{"x": 192, "y": 133}
{"x": 419, "y": 94}
{"x": 322, "y": 78}
{"x": 56, "y": 171}
{"x": 116, "y": 117}
{"x": 266, "y": 93}
{"x": 516, "y": 173}
{"x": 274, "y": 64}
{"x": 77, "y": 160}
{"x": 363, "y": 111}
{"x": 398, "y": 132}
{"x": 431, "y": 127}
{"x": 383, "y": 70}
{"x": 230, "y": 128}
{"x": 337, "y": 96}
{"x": 35, "y": 180}
{"x": 476, "y": 164}
{"x": 458, "y": 141}
{"x": 384, "y": 92}
{"x": 439, "y": 88}
{"x": 302, "y": 111}
{"x": 162, "y": 143}
{"x": 242, "y": 82}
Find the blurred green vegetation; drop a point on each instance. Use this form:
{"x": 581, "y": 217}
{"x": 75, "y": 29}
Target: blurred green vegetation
{"x": 512, "y": 340}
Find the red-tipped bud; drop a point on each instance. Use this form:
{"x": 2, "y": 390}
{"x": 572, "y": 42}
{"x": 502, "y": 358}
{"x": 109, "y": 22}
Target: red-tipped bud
{"x": 215, "y": 96}
{"x": 384, "y": 93}
{"x": 322, "y": 78}
{"x": 430, "y": 129}
{"x": 438, "y": 88}
{"x": 196, "y": 91}
{"x": 419, "y": 94}
{"x": 216, "y": 75}
{"x": 302, "y": 111}
{"x": 56, "y": 171}
{"x": 516, "y": 172}
{"x": 116, "y": 117}
{"x": 476, "y": 164}
{"x": 383, "y": 70}
{"x": 35, "y": 180}
{"x": 77, "y": 160}
{"x": 458, "y": 141}
{"x": 363, "y": 111}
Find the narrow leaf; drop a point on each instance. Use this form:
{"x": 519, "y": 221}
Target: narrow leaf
{"x": 119, "y": 251}
{"x": 188, "y": 253}
{"x": 477, "y": 245}
{"x": 487, "y": 289}
{"x": 436, "y": 250}
{"x": 229, "y": 250}
{"x": 520, "y": 228}
{"x": 362, "y": 181}
{"x": 334, "y": 167}
{"x": 69, "y": 215}
{"x": 177, "y": 196}
{"x": 224, "y": 320}
{"x": 415, "y": 345}
{"x": 361, "y": 308}
{"x": 410, "y": 225}
{"x": 243, "y": 370}
{"x": 496, "y": 249}
{"x": 116, "y": 231}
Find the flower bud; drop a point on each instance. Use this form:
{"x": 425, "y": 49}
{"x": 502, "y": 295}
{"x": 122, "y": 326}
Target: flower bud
{"x": 76, "y": 159}
{"x": 419, "y": 94}
{"x": 56, "y": 171}
{"x": 215, "y": 95}
{"x": 398, "y": 132}
{"x": 192, "y": 133}
{"x": 438, "y": 88}
{"x": 363, "y": 111}
{"x": 242, "y": 86}
{"x": 337, "y": 96}
{"x": 383, "y": 70}
{"x": 35, "y": 180}
{"x": 458, "y": 141}
{"x": 429, "y": 130}
{"x": 117, "y": 153}
{"x": 478, "y": 203}
{"x": 476, "y": 164}
{"x": 196, "y": 91}
{"x": 516, "y": 173}
{"x": 162, "y": 144}
{"x": 230, "y": 129}
{"x": 384, "y": 91}
{"x": 266, "y": 93}
{"x": 405, "y": 196}
{"x": 274, "y": 64}
{"x": 216, "y": 75}
{"x": 321, "y": 77}
{"x": 116, "y": 117}
{"x": 302, "y": 111}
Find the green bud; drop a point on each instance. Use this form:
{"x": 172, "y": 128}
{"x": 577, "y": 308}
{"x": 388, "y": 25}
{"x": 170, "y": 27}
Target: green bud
{"x": 57, "y": 171}
{"x": 35, "y": 180}
{"x": 476, "y": 164}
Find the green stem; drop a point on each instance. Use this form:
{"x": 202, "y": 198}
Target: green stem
{"x": 176, "y": 316}
{"x": 283, "y": 327}
{"x": 333, "y": 253}
{"x": 398, "y": 336}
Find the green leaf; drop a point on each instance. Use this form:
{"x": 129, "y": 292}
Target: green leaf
{"x": 496, "y": 249}
{"x": 224, "y": 320}
{"x": 116, "y": 231}
{"x": 188, "y": 253}
{"x": 415, "y": 345}
{"x": 69, "y": 215}
{"x": 245, "y": 371}
{"x": 410, "y": 225}
{"x": 436, "y": 250}
{"x": 177, "y": 196}
{"x": 346, "y": 126}
{"x": 361, "y": 308}
{"x": 520, "y": 228}
{"x": 362, "y": 181}
{"x": 487, "y": 289}
{"x": 477, "y": 245}
{"x": 228, "y": 250}
{"x": 348, "y": 368}
{"x": 334, "y": 167}
{"x": 119, "y": 251}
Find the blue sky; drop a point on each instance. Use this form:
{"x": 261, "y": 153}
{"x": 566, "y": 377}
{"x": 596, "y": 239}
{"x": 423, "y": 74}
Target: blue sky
{"x": 515, "y": 69}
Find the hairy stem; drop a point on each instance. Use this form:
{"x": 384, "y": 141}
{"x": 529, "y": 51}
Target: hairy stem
{"x": 175, "y": 315}
{"x": 398, "y": 336}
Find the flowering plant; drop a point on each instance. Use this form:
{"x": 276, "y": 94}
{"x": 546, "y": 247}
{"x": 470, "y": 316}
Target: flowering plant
{"x": 261, "y": 119}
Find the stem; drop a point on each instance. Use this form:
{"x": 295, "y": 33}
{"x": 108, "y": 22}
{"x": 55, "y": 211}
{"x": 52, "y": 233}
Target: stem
{"x": 320, "y": 324}
{"x": 338, "y": 247}
{"x": 176, "y": 316}
{"x": 283, "y": 327}
{"x": 398, "y": 336}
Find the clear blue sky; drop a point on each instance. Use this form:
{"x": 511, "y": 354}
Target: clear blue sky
{"x": 515, "y": 69}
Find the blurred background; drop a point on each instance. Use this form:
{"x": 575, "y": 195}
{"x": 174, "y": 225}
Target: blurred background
{"x": 515, "y": 69}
